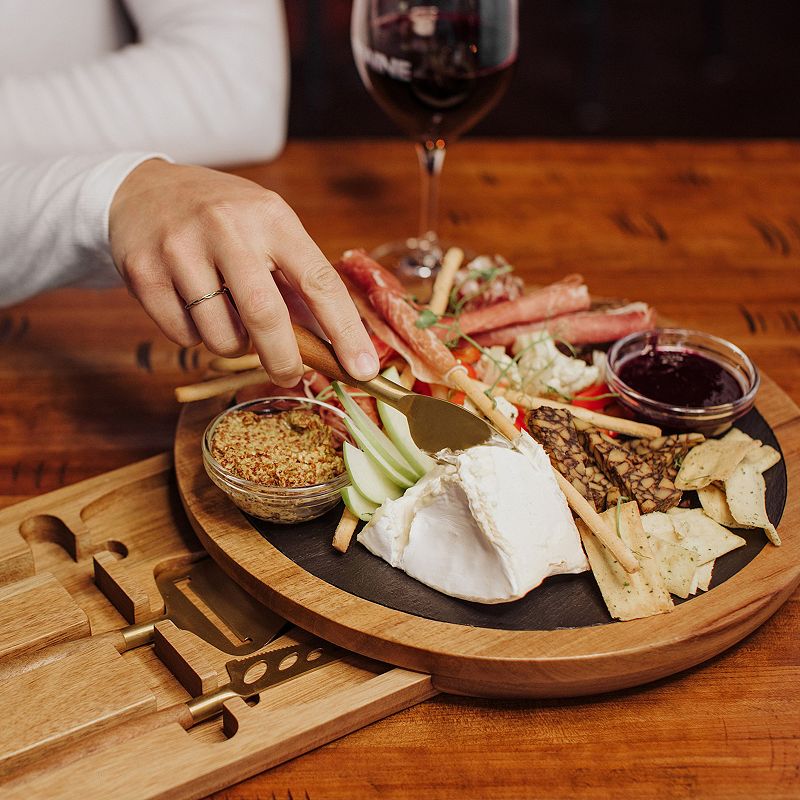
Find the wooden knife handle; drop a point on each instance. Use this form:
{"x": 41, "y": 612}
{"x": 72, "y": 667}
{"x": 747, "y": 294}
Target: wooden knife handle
{"x": 319, "y": 355}
{"x": 19, "y": 665}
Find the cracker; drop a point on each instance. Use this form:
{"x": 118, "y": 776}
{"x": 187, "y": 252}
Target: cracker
{"x": 713, "y": 460}
{"x": 702, "y": 577}
{"x": 762, "y": 457}
{"x": 746, "y": 493}
{"x": 703, "y": 534}
{"x": 627, "y": 596}
{"x": 677, "y": 564}
{"x": 658, "y": 523}
{"x": 715, "y": 504}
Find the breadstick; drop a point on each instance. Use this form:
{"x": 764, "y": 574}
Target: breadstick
{"x": 344, "y": 531}
{"x": 641, "y": 430}
{"x": 444, "y": 280}
{"x": 225, "y": 385}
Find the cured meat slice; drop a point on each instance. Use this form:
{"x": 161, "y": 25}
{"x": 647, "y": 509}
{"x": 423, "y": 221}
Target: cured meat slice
{"x": 402, "y": 318}
{"x": 584, "y": 327}
{"x": 368, "y": 274}
{"x": 421, "y": 369}
{"x": 633, "y": 476}
{"x": 555, "y": 430}
{"x": 563, "y": 297}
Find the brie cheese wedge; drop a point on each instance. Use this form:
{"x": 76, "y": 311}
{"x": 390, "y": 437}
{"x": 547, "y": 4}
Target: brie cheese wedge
{"x": 489, "y": 526}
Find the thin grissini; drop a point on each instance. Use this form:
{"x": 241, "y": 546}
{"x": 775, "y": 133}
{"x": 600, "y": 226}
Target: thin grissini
{"x": 629, "y": 427}
{"x": 227, "y": 384}
{"x": 238, "y": 364}
{"x": 443, "y": 285}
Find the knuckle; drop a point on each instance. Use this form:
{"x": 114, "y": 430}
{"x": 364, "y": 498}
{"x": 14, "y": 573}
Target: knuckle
{"x": 228, "y": 346}
{"x": 322, "y": 281}
{"x": 349, "y": 329}
{"x": 218, "y": 215}
{"x": 172, "y": 248}
{"x": 284, "y": 369}
{"x": 260, "y": 308}
{"x": 145, "y": 277}
{"x": 275, "y": 211}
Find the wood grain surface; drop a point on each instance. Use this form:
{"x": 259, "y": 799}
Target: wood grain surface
{"x": 710, "y": 234}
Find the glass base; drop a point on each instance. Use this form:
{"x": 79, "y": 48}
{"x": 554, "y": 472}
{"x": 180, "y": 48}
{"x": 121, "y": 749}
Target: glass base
{"x": 415, "y": 262}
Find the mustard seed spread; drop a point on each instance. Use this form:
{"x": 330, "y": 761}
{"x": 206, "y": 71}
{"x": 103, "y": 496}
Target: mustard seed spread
{"x": 290, "y": 449}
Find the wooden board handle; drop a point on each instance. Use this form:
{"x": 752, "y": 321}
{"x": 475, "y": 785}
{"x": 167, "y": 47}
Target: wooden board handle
{"x": 319, "y": 355}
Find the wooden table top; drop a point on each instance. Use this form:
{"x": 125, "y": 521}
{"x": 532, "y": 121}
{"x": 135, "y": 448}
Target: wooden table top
{"x": 707, "y": 233}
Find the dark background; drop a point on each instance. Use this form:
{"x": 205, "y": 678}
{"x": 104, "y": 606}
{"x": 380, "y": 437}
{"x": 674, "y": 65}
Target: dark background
{"x": 610, "y": 68}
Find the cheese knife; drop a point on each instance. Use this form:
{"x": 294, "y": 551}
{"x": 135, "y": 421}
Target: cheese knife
{"x": 434, "y": 424}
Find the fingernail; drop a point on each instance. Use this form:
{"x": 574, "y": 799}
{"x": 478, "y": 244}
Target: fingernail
{"x": 367, "y": 365}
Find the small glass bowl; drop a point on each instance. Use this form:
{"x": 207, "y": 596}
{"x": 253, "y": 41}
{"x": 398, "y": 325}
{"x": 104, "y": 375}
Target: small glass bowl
{"x": 273, "y": 503}
{"x": 707, "y": 419}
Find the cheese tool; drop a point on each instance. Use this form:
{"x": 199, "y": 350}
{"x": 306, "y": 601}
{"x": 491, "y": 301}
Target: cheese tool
{"x": 248, "y": 677}
{"x": 185, "y": 590}
{"x": 438, "y": 425}
{"x": 434, "y": 424}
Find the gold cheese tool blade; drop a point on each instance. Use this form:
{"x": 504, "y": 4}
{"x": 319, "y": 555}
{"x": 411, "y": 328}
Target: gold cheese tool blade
{"x": 434, "y": 424}
{"x": 221, "y": 613}
{"x": 227, "y": 606}
{"x": 257, "y": 673}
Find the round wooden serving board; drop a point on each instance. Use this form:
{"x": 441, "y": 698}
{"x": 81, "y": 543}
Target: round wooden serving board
{"x": 472, "y": 656}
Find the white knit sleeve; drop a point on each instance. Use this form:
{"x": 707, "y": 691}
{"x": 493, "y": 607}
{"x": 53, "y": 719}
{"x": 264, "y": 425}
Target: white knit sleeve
{"x": 54, "y": 222}
{"x": 206, "y": 82}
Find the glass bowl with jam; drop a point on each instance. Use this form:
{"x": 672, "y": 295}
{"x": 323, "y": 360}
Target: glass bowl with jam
{"x": 682, "y": 380}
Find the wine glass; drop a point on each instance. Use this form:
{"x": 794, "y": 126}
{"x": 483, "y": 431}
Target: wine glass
{"x": 436, "y": 68}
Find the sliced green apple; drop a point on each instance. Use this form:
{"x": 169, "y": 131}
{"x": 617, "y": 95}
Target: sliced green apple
{"x": 366, "y": 445}
{"x": 367, "y": 477}
{"x": 391, "y": 374}
{"x": 380, "y": 442}
{"x": 396, "y": 425}
{"x": 357, "y": 504}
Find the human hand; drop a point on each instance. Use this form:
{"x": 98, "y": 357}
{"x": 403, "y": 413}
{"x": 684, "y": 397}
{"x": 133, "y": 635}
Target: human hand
{"x": 180, "y": 232}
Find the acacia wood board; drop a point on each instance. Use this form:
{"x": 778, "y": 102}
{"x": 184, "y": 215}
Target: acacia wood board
{"x": 491, "y": 661}
{"x": 78, "y": 725}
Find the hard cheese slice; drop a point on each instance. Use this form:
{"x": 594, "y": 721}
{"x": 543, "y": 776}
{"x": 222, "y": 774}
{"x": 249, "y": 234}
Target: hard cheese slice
{"x": 627, "y": 596}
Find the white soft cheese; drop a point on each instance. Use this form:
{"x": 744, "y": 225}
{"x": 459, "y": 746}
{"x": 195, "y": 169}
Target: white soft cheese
{"x": 544, "y": 369}
{"x": 488, "y": 527}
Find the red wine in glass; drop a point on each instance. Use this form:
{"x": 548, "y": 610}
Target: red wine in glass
{"x": 436, "y": 68}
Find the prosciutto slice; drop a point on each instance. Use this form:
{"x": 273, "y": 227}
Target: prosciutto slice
{"x": 565, "y": 296}
{"x": 368, "y": 274}
{"x": 421, "y": 369}
{"x": 585, "y": 327}
{"x": 402, "y": 318}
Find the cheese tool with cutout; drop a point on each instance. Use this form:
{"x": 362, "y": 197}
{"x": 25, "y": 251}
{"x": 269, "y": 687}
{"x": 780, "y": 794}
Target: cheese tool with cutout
{"x": 198, "y": 597}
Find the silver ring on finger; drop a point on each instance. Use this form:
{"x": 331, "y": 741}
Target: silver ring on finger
{"x": 193, "y": 303}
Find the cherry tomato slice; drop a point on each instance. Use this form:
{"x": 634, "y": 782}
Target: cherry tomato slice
{"x": 457, "y": 397}
{"x": 466, "y": 353}
{"x": 593, "y": 397}
{"x": 421, "y": 388}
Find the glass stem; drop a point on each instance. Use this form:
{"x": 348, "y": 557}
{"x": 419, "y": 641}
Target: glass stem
{"x": 431, "y": 158}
